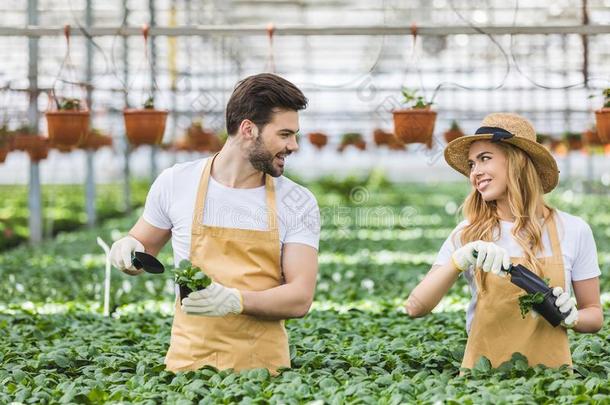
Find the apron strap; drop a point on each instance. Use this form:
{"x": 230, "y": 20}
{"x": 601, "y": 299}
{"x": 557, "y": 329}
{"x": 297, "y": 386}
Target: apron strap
{"x": 271, "y": 206}
{"x": 554, "y": 239}
{"x": 202, "y": 192}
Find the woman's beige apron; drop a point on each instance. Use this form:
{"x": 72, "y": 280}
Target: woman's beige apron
{"x": 498, "y": 330}
{"x": 236, "y": 258}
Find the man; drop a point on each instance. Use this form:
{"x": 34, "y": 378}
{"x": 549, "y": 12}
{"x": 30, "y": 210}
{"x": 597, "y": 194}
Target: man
{"x": 253, "y": 231}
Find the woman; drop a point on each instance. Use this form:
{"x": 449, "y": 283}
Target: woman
{"x": 507, "y": 221}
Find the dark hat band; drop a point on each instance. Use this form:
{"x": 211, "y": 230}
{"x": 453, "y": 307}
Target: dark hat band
{"x": 498, "y": 134}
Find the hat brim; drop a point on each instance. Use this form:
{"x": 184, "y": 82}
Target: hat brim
{"x": 456, "y": 155}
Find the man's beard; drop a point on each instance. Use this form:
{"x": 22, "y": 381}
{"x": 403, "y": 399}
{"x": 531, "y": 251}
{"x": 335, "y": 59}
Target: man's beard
{"x": 262, "y": 160}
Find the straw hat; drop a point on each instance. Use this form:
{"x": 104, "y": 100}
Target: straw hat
{"x": 512, "y": 129}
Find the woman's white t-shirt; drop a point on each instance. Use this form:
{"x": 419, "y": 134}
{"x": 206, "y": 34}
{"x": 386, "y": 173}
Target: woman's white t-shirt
{"x": 577, "y": 247}
{"x": 171, "y": 201}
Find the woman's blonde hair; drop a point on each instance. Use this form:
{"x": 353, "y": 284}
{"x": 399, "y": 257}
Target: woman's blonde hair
{"x": 525, "y": 198}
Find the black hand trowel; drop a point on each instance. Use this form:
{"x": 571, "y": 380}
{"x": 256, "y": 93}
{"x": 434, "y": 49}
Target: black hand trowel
{"x": 531, "y": 283}
{"x": 527, "y": 280}
{"x": 149, "y": 263}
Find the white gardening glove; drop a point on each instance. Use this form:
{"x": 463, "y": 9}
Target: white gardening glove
{"x": 566, "y": 305}
{"x": 489, "y": 257}
{"x": 214, "y": 300}
{"x": 120, "y": 254}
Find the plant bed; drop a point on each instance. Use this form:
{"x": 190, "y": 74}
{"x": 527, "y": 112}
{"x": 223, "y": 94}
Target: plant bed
{"x": 67, "y": 122}
{"x": 414, "y": 124}
{"x": 190, "y": 278}
{"x": 145, "y": 126}
{"x": 454, "y": 132}
{"x": 602, "y": 119}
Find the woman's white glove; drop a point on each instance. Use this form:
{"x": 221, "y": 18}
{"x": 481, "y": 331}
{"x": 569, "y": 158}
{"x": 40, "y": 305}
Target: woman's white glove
{"x": 214, "y": 300}
{"x": 120, "y": 254}
{"x": 481, "y": 254}
{"x": 566, "y": 305}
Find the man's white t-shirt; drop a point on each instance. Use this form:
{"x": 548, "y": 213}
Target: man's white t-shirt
{"x": 577, "y": 247}
{"x": 171, "y": 201}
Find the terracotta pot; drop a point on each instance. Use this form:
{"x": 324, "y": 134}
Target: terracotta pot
{"x": 381, "y": 137}
{"x": 67, "y": 128}
{"x": 453, "y": 134}
{"x": 318, "y": 139}
{"x": 574, "y": 143}
{"x": 144, "y": 127}
{"x": 414, "y": 125}
{"x": 602, "y": 119}
{"x": 95, "y": 141}
{"x": 35, "y": 145}
{"x": 591, "y": 138}
{"x": 396, "y": 144}
{"x": 24, "y": 142}
{"x": 361, "y": 145}
{"x": 62, "y": 148}
{"x": 3, "y": 152}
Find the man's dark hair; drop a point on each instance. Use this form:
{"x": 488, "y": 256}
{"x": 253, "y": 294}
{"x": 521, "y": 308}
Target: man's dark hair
{"x": 256, "y": 97}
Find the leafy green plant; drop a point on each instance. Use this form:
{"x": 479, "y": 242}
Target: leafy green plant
{"x": 527, "y": 302}
{"x": 455, "y": 126}
{"x": 149, "y": 104}
{"x": 412, "y": 100}
{"x": 190, "y": 276}
{"x": 607, "y": 97}
{"x": 68, "y": 104}
{"x": 351, "y": 138}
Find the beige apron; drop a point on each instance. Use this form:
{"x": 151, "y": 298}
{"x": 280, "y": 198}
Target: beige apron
{"x": 236, "y": 258}
{"x": 498, "y": 330}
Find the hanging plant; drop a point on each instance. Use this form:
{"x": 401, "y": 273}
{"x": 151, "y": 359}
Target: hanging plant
{"x": 415, "y": 123}
{"x": 573, "y": 140}
{"x": 352, "y": 138}
{"x": 27, "y": 140}
{"x": 454, "y": 132}
{"x": 318, "y": 139}
{"x": 96, "y": 140}
{"x": 67, "y": 117}
{"x": 145, "y": 125}
{"x": 602, "y": 118}
{"x": 381, "y": 137}
{"x": 6, "y": 140}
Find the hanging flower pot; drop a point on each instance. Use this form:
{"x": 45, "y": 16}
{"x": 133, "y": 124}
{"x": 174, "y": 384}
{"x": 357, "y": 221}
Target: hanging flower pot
{"x": 67, "y": 118}
{"x": 318, "y": 139}
{"x": 96, "y": 140}
{"x": 35, "y": 145}
{"x": 352, "y": 138}
{"x": 591, "y": 137}
{"x": 396, "y": 144}
{"x": 381, "y": 137}
{"x": 573, "y": 140}
{"x": 602, "y": 119}
{"x": 67, "y": 123}
{"x": 40, "y": 151}
{"x": 197, "y": 137}
{"x": 414, "y": 124}
{"x": 454, "y": 132}
{"x": 6, "y": 142}
{"x": 145, "y": 126}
